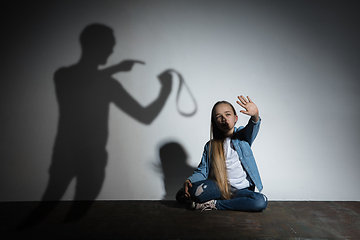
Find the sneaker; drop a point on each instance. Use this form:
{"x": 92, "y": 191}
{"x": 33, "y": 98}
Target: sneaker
{"x": 209, "y": 205}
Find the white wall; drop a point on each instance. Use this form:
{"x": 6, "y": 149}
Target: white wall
{"x": 298, "y": 60}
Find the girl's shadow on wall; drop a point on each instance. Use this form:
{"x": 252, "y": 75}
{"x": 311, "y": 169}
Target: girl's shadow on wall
{"x": 175, "y": 169}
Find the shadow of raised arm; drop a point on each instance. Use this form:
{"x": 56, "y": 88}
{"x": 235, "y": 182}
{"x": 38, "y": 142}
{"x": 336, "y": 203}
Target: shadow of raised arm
{"x": 128, "y": 104}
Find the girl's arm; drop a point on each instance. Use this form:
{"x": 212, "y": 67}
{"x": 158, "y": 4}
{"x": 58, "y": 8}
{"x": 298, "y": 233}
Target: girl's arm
{"x": 250, "y": 131}
{"x": 202, "y": 171}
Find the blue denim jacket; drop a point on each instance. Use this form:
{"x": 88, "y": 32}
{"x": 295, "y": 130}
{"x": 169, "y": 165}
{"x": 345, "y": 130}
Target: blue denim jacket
{"x": 242, "y": 139}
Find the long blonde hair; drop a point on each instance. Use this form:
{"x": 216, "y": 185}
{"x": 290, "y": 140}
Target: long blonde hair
{"x": 217, "y": 155}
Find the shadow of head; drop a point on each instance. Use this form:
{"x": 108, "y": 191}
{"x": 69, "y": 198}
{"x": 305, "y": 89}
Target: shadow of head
{"x": 97, "y": 42}
{"x": 174, "y": 165}
{"x": 172, "y": 156}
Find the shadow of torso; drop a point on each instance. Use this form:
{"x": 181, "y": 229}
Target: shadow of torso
{"x": 84, "y": 98}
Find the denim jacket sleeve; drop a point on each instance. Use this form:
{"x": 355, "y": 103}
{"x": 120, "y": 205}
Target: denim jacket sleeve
{"x": 202, "y": 171}
{"x": 249, "y": 132}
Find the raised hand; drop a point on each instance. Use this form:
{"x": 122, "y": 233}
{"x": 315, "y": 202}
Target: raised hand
{"x": 250, "y": 107}
{"x": 165, "y": 79}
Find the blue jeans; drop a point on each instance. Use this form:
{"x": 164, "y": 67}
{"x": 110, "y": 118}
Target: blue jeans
{"x": 243, "y": 200}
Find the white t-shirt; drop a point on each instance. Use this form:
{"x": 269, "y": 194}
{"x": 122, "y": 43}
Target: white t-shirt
{"x": 235, "y": 171}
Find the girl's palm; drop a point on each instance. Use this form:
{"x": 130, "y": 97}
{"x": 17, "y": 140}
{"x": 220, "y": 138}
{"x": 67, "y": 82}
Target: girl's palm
{"x": 250, "y": 107}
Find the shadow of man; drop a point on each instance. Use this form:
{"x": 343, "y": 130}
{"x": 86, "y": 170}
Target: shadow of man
{"x": 84, "y": 94}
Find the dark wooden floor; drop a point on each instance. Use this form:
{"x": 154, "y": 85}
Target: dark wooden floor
{"x": 168, "y": 220}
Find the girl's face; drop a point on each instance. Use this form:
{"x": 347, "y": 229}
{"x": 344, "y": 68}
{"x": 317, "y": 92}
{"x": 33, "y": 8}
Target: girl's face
{"x": 225, "y": 118}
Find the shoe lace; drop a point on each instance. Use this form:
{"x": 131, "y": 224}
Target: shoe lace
{"x": 210, "y": 205}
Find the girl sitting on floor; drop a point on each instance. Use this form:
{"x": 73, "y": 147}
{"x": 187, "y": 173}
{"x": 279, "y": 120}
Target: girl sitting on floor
{"x": 227, "y": 174}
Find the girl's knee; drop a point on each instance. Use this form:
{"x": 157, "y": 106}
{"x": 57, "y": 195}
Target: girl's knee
{"x": 260, "y": 203}
{"x": 196, "y": 191}
{"x": 204, "y": 191}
